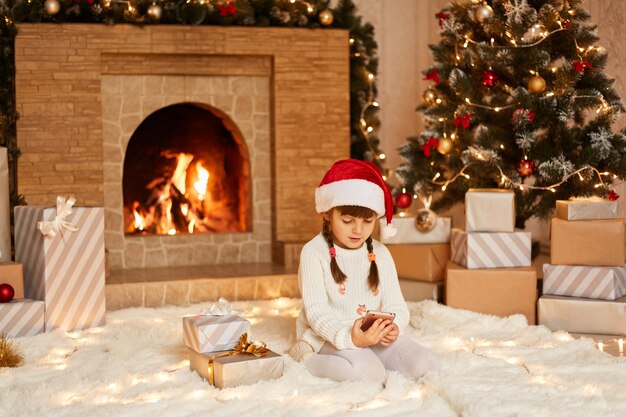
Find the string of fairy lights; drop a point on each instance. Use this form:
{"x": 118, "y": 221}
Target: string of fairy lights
{"x": 537, "y": 35}
{"x": 366, "y": 128}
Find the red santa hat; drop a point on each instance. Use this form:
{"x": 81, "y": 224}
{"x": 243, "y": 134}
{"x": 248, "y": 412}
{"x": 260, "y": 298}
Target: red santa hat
{"x": 351, "y": 182}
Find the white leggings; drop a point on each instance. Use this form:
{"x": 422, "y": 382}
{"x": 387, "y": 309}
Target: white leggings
{"x": 371, "y": 363}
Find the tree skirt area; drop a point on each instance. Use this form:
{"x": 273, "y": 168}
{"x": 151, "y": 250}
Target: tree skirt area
{"x": 136, "y": 365}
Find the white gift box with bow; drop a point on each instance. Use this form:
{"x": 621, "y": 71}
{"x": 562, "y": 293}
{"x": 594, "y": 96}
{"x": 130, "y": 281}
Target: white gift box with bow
{"x": 62, "y": 250}
{"x": 217, "y": 328}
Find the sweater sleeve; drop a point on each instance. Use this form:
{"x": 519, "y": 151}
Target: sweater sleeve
{"x": 392, "y": 299}
{"x": 320, "y": 316}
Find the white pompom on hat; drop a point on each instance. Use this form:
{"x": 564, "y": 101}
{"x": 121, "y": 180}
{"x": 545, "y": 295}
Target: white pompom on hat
{"x": 351, "y": 182}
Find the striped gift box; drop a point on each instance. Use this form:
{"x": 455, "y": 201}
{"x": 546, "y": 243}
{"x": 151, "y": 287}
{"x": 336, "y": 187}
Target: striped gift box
{"x": 67, "y": 271}
{"x": 606, "y": 283}
{"x": 205, "y": 333}
{"x": 490, "y": 250}
{"x": 22, "y": 318}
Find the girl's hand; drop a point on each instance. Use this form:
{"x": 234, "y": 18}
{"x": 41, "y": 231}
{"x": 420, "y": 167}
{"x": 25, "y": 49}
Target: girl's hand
{"x": 391, "y": 336}
{"x": 372, "y": 336}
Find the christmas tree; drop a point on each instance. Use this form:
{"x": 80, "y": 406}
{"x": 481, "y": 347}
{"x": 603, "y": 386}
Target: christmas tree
{"x": 517, "y": 99}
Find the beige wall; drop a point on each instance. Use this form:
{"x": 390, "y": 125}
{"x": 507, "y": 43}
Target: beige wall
{"x": 404, "y": 28}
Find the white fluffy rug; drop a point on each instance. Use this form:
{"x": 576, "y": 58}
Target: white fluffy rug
{"x": 136, "y": 366}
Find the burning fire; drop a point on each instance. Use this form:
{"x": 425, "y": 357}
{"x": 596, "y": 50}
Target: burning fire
{"x": 182, "y": 203}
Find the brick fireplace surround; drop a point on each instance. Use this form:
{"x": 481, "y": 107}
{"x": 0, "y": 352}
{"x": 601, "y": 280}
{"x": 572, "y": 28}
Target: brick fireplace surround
{"x": 82, "y": 90}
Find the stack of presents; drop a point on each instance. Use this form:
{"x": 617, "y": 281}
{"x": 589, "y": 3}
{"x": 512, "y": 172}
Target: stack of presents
{"x": 219, "y": 350}
{"x": 584, "y": 285}
{"x": 58, "y": 276}
{"x": 420, "y": 257}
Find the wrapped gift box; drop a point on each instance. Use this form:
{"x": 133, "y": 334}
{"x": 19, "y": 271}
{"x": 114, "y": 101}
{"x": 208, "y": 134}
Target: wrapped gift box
{"x": 408, "y": 233}
{"x": 489, "y": 210}
{"x": 586, "y": 209}
{"x": 419, "y": 291}
{"x": 607, "y": 283}
{"x": 500, "y": 292}
{"x": 587, "y": 242}
{"x": 583, "y": 315}
{"x": 207, "y": 333}
{"x": 236, "y": 368}
{"x": 491, "y": 250}
{"x": 12, "y": 273}
{"x": 65, "y": 271}
{"x": 22, "y": 318}
{"x": 421, "y": 262}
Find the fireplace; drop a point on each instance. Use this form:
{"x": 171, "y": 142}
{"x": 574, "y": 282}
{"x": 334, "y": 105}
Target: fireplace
{"x": 186, "y": 170}
{"x": 89, "y": 94}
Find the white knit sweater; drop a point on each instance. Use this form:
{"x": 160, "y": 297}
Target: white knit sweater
{"x": 328, "y": 315}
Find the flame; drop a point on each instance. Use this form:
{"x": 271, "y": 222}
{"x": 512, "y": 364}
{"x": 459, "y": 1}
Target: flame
{"x": 179, "y": 178}
{"x": 203, "y": 180}
{"x": 140, "y": 222}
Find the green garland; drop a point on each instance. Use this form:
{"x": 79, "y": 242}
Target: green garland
{"x": 283, "y": 13}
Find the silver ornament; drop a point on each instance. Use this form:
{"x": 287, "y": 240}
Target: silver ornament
{"x": 52, "y": 7}
{"x": 483, "y": 13}
{"x": 425, "y": 220}
{"x": 155, "y": 11}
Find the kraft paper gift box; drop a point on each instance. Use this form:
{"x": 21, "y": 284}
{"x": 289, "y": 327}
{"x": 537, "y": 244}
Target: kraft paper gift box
{"x": 12, "y": 273}
{"x": 421, "y": 262}
{"x": 587, "y": 242}
{"x": 489, "y": 210}
{"x": 583, "y": 315}
{"x": 491, "y": 250}
{"x": 408, "y": 233}
{"x": 22, "y": 318}
{"x": 607, "y": 283}
{"x": 211, "y": 333}
{"x": 65, "y": 267}
{"x": 587, "y": 209}
{"x": 419, "y": 291}
{"x": 236, "y": 368}
{"x": 501, "y": 292}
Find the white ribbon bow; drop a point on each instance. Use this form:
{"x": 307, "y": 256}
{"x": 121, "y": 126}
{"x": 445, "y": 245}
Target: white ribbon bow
{"x": 221, "y": 308}
{"x": 50, "y": 228}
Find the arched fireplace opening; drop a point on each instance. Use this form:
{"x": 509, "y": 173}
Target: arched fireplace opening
{"x": 186, "y": 170}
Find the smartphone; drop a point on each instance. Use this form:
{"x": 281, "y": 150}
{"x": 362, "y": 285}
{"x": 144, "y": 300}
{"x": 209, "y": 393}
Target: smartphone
{"x": 372, "y": 315}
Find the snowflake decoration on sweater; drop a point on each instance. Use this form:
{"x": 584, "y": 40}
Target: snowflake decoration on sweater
{"x": 517, "y": 11}
{"x": 601, "y": 142}
{"x": 558, "y": 166}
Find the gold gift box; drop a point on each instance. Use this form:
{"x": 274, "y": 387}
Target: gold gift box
{"x": 231, "y": 368}
{"x": 583, "y": 315}
{"x": 497, "y": 291}
{"x": 489, "y": 210}
{"x": 586, "y": 209}
{"x": 587, "y": 242}
{"x": 421, "y": 262}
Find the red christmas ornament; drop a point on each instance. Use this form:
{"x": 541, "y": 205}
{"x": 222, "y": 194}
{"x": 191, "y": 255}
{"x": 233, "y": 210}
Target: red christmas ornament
{"x": 613, "y": 195}
{"x": 403, "y": 200}
{"x": 227, "y": 9}
{"x": 489, "y": 78}
{"x": 431, "y": 143}
{"x": 526, "y": 168}
{"x": 432, "y": 75}
{"x": 567, "y": 23}
{"x": 6, "y": 293}
{"x": 580, "y": 66}
{"x": 463, "y": 120}
{"x": 442, "y": 16}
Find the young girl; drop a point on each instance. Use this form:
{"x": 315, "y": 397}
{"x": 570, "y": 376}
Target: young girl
{"x": 343, "y": 273}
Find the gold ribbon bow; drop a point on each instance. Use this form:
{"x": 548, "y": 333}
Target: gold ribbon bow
{"x": 256, "y": 348}
{"x": 50, "y": 228}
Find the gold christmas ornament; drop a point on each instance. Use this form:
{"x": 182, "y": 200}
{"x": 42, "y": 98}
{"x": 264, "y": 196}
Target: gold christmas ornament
{"x": 155, "y": 11}
{"x": 536, "y": 84}
{"x": 425, "y": 220}
{"x": 445, "y": 146}
{"x": 429, "y": 96}
{"x": 52, "y": 7}
{"x": 483, "y": 13}
{"x": 326, "y": 17}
